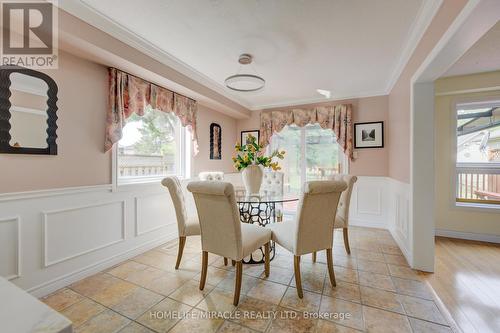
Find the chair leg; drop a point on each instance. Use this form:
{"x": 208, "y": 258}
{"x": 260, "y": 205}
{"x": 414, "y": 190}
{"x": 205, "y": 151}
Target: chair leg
{"x": 267, "y": 259}
{"x": 298, "y": 281}
{"x": 233, "y": 262}
{"x": 237, "y": 282}
{"x": 331, "y": 273}
{"x": 204, "y": 268}
{"x": 225, "y": 261}
{"x": 182, "y": 242}
{"x": 314, "y": 256}
{"x": 346, "y": 241}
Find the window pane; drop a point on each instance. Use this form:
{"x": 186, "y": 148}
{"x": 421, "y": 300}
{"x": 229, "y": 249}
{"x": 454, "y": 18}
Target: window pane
{"x": 149, "y": 146}
{"x": 322, "y": 153}
{"x": 289, "y": 140}
{"x": 478, "y": 153}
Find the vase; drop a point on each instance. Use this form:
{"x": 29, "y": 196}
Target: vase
{"x": 252, "y": 178}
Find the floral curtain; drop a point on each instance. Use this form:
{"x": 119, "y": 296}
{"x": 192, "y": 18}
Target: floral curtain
{"x": 337, "y": 118}
{"x": 129, "y": 94}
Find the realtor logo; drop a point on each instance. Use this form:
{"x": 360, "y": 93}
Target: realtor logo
{"x": 29, "y": 34}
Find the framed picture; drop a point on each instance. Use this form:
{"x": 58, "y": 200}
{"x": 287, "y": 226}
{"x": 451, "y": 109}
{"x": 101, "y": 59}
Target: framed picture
{"x": 369, "y": 135}
{"x": 245, "y": 134}
{"x": 215, "y": 142}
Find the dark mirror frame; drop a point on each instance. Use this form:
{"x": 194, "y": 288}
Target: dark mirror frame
{"x": 5, "y": 114}
{"x": 213, "y": 142}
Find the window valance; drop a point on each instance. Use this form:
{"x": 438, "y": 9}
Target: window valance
{"x": 337, "y": 118}
{"x": 129, "y": 94}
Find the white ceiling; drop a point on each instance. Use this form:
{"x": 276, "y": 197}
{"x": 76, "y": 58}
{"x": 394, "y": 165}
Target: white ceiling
{"x": 483, "y": 56}
{"x": 352, "y": 48}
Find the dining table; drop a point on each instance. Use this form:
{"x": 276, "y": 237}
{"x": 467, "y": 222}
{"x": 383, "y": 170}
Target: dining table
{"x": 262, "y": 208}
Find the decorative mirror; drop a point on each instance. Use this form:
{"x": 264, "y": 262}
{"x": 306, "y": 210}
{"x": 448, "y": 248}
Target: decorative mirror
{"x": 28, "y": 120}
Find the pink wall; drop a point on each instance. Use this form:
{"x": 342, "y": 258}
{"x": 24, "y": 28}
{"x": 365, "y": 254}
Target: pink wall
{"x": 398, "y": 137}
{"x": 369, "y": 162}
{"x": 83, "y": 101}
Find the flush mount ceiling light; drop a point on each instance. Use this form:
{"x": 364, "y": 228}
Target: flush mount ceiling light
{"x": 325, "y": 93}
{"x": 245, "y": 82}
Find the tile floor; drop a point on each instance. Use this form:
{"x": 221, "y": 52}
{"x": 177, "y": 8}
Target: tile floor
{"x": 376, "y": 292}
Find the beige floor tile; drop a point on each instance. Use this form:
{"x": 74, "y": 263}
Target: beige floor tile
{"x": 137, "y": 273}
{"x": 404, "y": 272}
{"x": 279, "y": 275}
{"x": 82, "y": 311}
{"x": 62, "y": 299}
{"x": 291, "y": 321}
{"x": 311, "y": 281}
{"x": 342, "y": 312}
{"x": 421, "y": 326}
{"x": 379, "y": 298}
{"x": 190, "y": 293}
{"x": 373, "y": 266}
{"x": 256, "y": 270}
{"x": 166, "y": 283}
{"x": 229, "y": 327}
{"x": 254, "y": 313}
{"x": 134, "y": 327}
{"x": 115, "y": 293}
{"x": 214, "y": 275}
{"x": 381, "y": 321}
{"x": 137, "y": 303}
{"x": 268, "y": 291}
{"x": 390, "y": 249}
{"x": 219, "y": 263}
{"x": 412, "y": 288}
{"x": 93, "y": 284}
{"x": 157, "y": 259}
{"x": 218, "y": 300}
{"x": 247, "y": 283}
{"x": 325, "y": 326}
{"x": 199, "y": 322}
{"x": 105, "y": 322}
{"x": 157, "y": 318}
{"x": 376, "y": 281}
{"x": 343, "y": 290}
{"x": 395, "y": 259}
{"x": 346, "y": 274}
{"x": 124, "y": 270}
{"x": 422, "y": 309}
{"x": 309, "y": 303}
{"x": 347, "y": 262}
{"x": 370, "y": 255}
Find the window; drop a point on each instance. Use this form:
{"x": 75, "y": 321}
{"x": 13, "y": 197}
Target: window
{"x": 152, "y": 146}
{"x": 478, "y": 153}
{"x": 312, "y": 153}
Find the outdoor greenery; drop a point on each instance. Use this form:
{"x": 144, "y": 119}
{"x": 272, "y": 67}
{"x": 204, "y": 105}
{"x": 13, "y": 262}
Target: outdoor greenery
{"x": 251, "y": 153}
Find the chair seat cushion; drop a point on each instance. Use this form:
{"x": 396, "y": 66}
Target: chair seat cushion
{"x": 253, "y": 236}
{"x": 192, "y": 226}
{"x": 283, "y": 234}
{"x": 339, "y": 222}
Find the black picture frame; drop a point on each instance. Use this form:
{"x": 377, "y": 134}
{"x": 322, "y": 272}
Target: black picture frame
{"x": 215, "y": 142}
{"x": 5, "y": 115}
{"x": 255, "y": 133}
{"x": 358, "y": 127}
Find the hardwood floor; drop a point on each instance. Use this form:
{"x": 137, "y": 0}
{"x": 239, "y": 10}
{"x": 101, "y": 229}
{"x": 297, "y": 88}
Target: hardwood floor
{"x": 467, "y": 280}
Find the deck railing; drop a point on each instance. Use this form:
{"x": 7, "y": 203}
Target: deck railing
{"x": 478, "y": 183}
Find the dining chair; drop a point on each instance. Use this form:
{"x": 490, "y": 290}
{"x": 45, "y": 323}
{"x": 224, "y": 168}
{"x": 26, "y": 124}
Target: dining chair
{"x": 312, "y": 230}
{"x": 211, "y": 175}
{"x": 273, "y": 182}
{"x": 222, "y": 233}
{"x": 187, "y": 226}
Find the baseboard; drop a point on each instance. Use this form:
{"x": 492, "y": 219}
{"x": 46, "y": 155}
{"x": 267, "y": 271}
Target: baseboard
{"x": 367, "y": 223}
{"x": 65, "y": 280}
{"x": 468, "y": 236}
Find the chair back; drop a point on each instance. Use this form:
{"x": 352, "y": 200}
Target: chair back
{"x": 316, "y": 215}
{"x": 219, "y": 218}
{"x": 273, "y": 182}
{"x": 211, "y": 175}
{"x": 345, "y": 198}
{"x": 174, "y": 187}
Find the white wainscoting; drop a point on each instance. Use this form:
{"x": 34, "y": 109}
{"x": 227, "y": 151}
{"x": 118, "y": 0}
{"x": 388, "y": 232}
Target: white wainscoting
{"x": 51, "y": 238}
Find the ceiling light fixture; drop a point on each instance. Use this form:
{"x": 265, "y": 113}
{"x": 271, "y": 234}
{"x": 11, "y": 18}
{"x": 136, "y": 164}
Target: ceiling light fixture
{"x": 245, "y": 82}
{"x": 326, "y": 93}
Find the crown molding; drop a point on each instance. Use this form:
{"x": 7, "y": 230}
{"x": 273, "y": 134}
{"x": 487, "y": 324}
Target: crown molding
{"x": 92, "y": 16}
{"x": 424, "y": 18}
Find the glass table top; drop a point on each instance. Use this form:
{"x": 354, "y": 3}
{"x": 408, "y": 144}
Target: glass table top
{"x": 264, "y": 197}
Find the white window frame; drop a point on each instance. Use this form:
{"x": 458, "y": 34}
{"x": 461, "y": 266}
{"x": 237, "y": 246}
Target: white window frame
{"x": 183, "y": 163}
{"x": 476, "y": 102}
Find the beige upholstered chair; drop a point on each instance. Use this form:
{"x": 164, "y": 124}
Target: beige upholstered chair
{"x": 211, "y": 175}
{"x": 313, "y": 228}
{"x": 222, "y": 232}
{"x": 187, "y": 226}
{"x": 273, "y": 182}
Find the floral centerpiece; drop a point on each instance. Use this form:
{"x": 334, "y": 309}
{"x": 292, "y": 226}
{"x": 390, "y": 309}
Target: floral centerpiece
{"x": 250, "y": 159}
